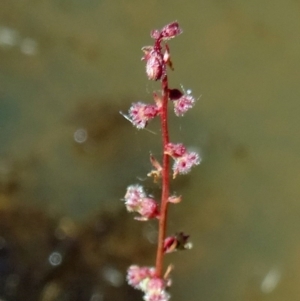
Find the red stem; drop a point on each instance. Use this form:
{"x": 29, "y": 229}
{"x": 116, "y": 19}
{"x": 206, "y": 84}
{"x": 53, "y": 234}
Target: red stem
{"x": 165, "y": 179}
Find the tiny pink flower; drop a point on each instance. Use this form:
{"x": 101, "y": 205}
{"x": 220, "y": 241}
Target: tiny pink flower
{"x": 183, "y": 165}
{"x": 183, "y": 104}
{"x": 136, "y": 274}
{"x": 133, "y": 196}
{"x": 184, "y": 160}
{"x": 140, "y": 114}
{"x": 170, "y": 31}
{"x": 136, "y": 200}
{"x": 148, "y": 209}
{"x": 144, "y": 279}
{"x": 175, "y": 150}
{"x": 155, "y": 290}
{"x": 135, "y": 191}
{"x": 155, "y": 284}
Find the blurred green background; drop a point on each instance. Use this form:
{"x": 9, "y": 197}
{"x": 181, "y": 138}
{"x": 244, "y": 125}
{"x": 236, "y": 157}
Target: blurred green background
{"x": 67, "y": 67}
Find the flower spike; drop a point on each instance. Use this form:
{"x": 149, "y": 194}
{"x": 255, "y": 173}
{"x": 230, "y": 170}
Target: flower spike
{"x": 157, "y": 57}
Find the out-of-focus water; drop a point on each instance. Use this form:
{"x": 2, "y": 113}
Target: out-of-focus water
{"x": 68, "y": 67}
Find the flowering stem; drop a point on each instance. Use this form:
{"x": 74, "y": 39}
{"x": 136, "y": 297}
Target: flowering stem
{"x": 151, "y": 280}
{"x": 165, "y": 178}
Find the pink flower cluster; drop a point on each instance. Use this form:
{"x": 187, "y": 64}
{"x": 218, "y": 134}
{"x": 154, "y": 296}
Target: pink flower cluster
{"x": 136, "y": 200}
{"x": 183, "y": 159}
{"x": 183, "y": 104}
{"x": 140, "y": 114}
{"x": 145, "y": 279}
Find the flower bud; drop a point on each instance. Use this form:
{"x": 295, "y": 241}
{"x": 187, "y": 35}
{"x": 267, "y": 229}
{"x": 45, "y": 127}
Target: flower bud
{"x": 170, "y": 31}
{"x": 154, "y": 65}
{"x": 177, "y": 242}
